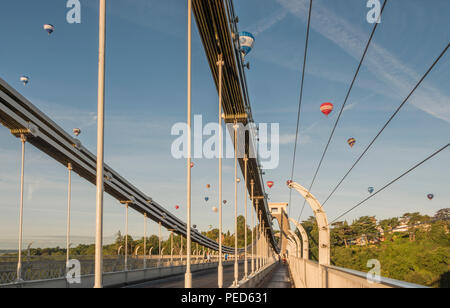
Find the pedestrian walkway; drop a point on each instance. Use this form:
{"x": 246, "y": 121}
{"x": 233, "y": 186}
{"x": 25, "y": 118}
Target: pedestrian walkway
{"x": 280, "y": 278}
{"x": 202, "y": 279}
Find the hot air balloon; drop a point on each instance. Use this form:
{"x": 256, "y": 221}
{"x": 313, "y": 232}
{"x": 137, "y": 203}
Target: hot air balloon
{"x": 49, "y": 28}
{"x": 224, "y": 201}
{"x": 206, "y": 199}
{"x": 370, "y": 189}
{"x": 289, "y": 182}
{"x": 430, "y": 196}
{"x": 194, "y": 226}
{"x": 25, "y": 80}
{"x": 326, "y": 108}
{"x": 247, "y": 41}
{"x": 215, "y": 210}
{"x": 192, "y": 165}
{"x": 76, "y": 131}
{"x": 238, "y": 180}
{"x": 270, "y": 184}
{"x": 208, "y": 186}
{"x": 351, "y": 142}
{"x": 177, "y": 207}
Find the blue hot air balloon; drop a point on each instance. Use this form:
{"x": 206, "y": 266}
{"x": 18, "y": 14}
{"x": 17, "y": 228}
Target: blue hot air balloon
{"x": 206, "y": 199}
{"x": 247, "y": 41}
{"x": 49, "y": 28}
{"x": 370, "y": 189}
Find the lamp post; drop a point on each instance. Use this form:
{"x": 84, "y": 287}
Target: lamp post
{"x": 252, "y": 184}
{"x": 100, "y": 144}
{"x": 181, "y": 249}
{"x": 126, "y": 236}
{"x": 220, "y": 63}
{"x": 260, "y": 240}
{"x": 245, "y": 224}
{"x": 69, "y": 168}
{"x": 188, "y": 275}
{"x": 23, "y": 139}
{"x": 236, "y": 264}
{"x": 145, "y": 240}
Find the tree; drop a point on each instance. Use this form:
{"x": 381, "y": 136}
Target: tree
{"x": 443, "y": 214}
{"x": 416, "y": 218}
{"x": 389, "y": 224}
{"x": 341, "y": 233}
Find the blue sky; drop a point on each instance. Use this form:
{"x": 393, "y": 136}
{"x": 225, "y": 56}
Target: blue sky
{"x": 146, "y": 95}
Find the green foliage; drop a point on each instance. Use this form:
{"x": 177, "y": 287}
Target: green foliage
{"x": 420, "y": 256}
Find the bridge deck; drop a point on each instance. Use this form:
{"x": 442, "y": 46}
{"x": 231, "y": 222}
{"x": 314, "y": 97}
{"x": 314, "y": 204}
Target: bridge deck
{"x": 280, "y": 278}
{"x": 202, "y": 279}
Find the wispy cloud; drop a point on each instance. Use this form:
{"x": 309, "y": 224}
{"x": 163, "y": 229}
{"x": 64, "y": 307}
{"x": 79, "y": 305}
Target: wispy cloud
{"x": 290, "y": 139}
{"x": 269, "y": 21}
{"x": 395, "y": 76}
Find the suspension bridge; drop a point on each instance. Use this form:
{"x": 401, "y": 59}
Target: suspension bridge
{"x": 272, "y": 260}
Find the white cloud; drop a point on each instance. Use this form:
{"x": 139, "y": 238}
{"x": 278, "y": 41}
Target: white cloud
{"x": 395, "y": 76}
{"x": 268, "y": 22}
{"x": 290, "y": 139}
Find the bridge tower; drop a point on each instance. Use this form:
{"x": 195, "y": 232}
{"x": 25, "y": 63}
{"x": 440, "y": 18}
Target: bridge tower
{"x": 278, "y": 211}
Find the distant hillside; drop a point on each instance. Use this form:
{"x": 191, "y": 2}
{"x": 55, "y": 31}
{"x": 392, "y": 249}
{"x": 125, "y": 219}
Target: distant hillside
{"x": 2, "y": 252}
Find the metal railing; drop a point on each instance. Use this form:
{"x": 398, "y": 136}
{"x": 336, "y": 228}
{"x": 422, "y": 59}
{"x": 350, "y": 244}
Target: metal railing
{"x": 310, "y": 274}
{"x": 54, "y": 267}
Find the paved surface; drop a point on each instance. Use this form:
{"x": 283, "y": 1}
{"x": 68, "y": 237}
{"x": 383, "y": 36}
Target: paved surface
{"x": 202, "y": 279}
{"x": 280, "y": 278}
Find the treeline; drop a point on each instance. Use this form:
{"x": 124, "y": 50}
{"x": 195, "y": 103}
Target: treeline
{"x": 420, "y": 254}
{"x": 118, "y": 247}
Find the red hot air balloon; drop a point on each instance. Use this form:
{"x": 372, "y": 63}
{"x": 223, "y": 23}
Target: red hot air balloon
{"x": 326, "y": 108}
{"x": 192, "y": 165}
{"x": 351, "y": 142}
{"x": 177, "y": 207}
{"x": 430, "y": 196}
{"x": 270, "y": 184}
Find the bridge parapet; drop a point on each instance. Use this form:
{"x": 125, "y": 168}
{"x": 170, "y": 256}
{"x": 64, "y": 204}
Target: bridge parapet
{"x": 307, "y": 274}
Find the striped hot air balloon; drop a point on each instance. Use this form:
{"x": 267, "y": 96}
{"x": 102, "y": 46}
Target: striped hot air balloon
{"x": 247, "y": 41}
{"x": 351, "y": 142}
{"x": 326, "y": 108}
{"x": 270, "y": 184}
{"x": 49, "y": 28}
{"x": 25, "y": 80}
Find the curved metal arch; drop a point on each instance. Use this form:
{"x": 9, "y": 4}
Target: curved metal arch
{"x": 322, "y": 222}
{"x": 291, "y": 244}
{"x": 304, "y": 236}
{"x": 297, "y": 242}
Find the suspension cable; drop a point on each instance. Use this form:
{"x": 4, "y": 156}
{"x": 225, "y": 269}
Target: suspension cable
{"x": 343, "y": 105}
{"x": 301, "y": 98}
{"x": 387, "y": 123}
{"x": 392, "y": 182}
